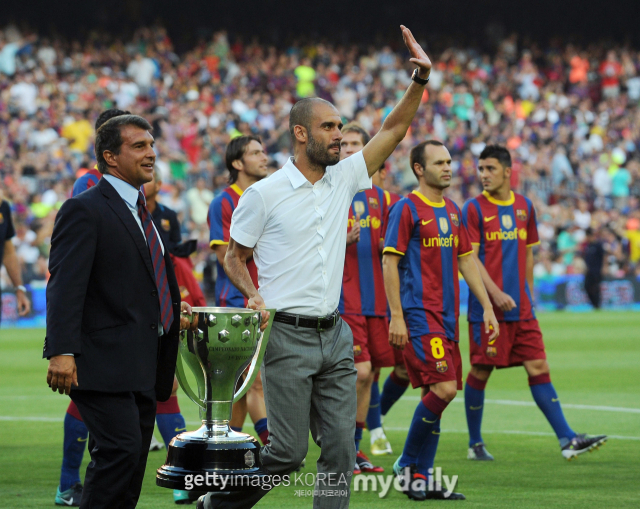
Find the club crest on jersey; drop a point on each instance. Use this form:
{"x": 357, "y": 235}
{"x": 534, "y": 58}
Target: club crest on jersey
{"x": 358, "y": 208}
{"x": 166, "y": 226}
{"x": 507, "y": 222}
{"x": 521, "y": 214}
{"x": 492, "y": 351}
{"x": 454, "y": 219}
{"x": 357, "y": 350}
{"x": 373, "y": 202}
{"x": 441, "y": 366}
{"x": 444, "y": 225}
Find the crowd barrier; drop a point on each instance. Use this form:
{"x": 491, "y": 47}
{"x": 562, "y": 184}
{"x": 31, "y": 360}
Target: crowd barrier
{"x": 551, "y": 294}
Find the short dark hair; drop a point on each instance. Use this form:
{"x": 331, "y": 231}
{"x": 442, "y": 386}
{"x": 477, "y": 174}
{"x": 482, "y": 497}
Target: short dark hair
{"x": 108, "y": 115}
{"x": 302, "y": 113}
{"x": 108, "y": 136}
{"x": 497, "y": 152}
{"x": 236, "y": 149}
{"x": 418, "y": 155}
{"x": 354, "y": 127}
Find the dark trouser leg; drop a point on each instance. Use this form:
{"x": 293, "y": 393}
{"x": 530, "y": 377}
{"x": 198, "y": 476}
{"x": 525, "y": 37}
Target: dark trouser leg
{"x": 592, "y": 288}
{"x": 116, "y": 443}
{"x": 146, "y": 402}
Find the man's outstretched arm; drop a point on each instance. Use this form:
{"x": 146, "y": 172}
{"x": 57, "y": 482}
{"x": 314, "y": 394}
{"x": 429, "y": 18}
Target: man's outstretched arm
{"x": 398, "y": 121}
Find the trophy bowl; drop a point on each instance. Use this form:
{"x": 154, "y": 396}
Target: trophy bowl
{"x": 226, "y": 343}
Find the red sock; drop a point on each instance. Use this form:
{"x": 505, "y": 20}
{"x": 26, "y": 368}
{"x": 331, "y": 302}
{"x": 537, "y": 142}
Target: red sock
{"x": 434, "y": 403}
{"x": 72, "y": 410}
{"x": 476, "y": 383}
{"x": 397, "y": 380}
{"x": 264, "y": 437}
{"x": 544, "y": 378}
{"x": 168, "y": 407}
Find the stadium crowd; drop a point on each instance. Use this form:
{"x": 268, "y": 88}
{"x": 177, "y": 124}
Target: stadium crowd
{"x": 568, "y": 114}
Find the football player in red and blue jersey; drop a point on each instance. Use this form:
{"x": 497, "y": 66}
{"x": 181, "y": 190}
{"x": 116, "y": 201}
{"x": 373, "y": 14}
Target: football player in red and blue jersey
{"x": 426, "y": 245}
{"x": 363, "y": 303}
{"x": 398, "y": 380}
{"x": 502, "y": 228}
{"x": 247, "y": 164}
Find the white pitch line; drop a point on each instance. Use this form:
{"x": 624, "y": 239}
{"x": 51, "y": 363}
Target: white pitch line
{"x": 30, "y": 419}
{"x": 509, "y": 402}
{"x": 511, "y": 432}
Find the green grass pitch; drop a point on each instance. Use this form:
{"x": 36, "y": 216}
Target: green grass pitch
{"x": 594, "y": 361}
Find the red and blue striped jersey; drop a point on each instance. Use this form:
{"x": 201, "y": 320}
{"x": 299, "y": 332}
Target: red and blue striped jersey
{"x": 88, "y": 180}
{"x": 391, "y": 198}
{"x": 503, "y": 230}
{"x": 362, "y": 283}
{"x": 219, "y": 219}
{"x": 430, "y": 237}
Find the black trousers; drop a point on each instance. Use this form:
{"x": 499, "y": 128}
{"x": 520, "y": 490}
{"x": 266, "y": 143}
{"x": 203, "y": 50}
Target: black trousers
{"x": 592, "y": 288}
{"x": 120, "y": 427}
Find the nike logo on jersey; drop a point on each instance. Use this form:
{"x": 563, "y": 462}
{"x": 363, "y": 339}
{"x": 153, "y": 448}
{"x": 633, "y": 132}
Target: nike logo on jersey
{"x": 491, "y": 341}
{"x": 487, "y": 219}
{"x": 83, "y": 439}
{"x": 180, "y": 429}
{"x": 424, "y": 419}
{"x": 425, "y": 223}
{"x": 475, "y": 407}
{"x": 555, "y": 400}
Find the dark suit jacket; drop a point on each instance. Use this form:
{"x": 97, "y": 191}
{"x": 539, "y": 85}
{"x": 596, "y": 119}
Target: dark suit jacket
{"x": 102, "y": 299}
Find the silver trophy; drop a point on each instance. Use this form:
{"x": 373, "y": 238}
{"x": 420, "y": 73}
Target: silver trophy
{"x": 227, "y": 341}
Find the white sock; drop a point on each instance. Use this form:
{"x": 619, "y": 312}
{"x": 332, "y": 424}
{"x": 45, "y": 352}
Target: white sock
{"x": 376, "y": 434}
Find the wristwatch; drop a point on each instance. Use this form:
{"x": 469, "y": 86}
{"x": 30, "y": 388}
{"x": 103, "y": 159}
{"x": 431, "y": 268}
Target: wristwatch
{"x": 417, "y": 78}
{"x": 21, "y": 288}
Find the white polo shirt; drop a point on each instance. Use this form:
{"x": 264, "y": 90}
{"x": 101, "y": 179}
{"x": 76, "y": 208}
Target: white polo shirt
{"x": 299, "y": 234}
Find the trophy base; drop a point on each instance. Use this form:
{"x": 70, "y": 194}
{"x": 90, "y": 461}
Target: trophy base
{"x": 220, "y": 463}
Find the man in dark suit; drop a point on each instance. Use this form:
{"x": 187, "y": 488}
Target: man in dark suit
{"x": 113, "y": 313}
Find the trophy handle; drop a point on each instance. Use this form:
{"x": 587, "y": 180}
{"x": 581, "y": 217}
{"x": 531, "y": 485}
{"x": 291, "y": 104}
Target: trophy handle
{"x": 184, "y": 384}
{"x": 256, "y": 361}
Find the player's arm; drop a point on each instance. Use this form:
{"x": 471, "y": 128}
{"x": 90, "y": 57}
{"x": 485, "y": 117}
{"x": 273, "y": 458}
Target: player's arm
{"x": 471, "y": 273}
{"x": 398, "y": 335}
{"x": 12, "y": 264}
{"x": 502, "y": 300}
{"x": 398, "y": 121}
{"x": 235, "y": 266}
{"x": 220, "y": 251}
{"x": 529, "y": 268}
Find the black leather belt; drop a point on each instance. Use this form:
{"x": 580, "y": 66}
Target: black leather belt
{"x": 309, "y": 322}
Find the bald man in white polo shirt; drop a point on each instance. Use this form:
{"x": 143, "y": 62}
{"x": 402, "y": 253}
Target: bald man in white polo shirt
{"x": 294, "y": 225}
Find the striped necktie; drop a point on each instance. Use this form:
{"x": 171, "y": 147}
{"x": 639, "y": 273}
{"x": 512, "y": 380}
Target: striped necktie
{"x": 159, "y": 268}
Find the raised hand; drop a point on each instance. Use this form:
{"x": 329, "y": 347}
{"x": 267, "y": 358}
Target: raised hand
{"x": 418, "y": 55}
